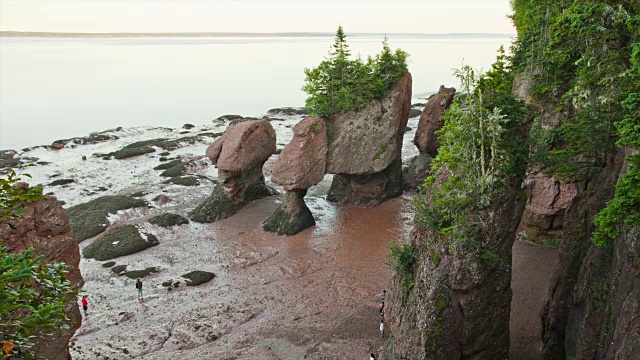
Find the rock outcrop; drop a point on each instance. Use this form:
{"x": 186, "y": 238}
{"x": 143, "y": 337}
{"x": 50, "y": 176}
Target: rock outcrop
{"x": 300, "y": 166}
{"x": 365, "y": 148}
{"x": 239, "y": 155}
{"x": 431, "y": 121}
{"x": 459, "y": 307}
{"x": 548, "y": 198}
{"x": 593, "y": 305}
{"x": 45, "y": 226}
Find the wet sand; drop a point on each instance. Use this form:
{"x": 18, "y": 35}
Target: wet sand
{"x": 532, "y": 269}
{"x": 313, "y": 295}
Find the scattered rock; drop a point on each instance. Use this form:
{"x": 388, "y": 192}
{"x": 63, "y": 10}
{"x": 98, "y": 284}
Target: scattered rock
{"x": 166, "y": 153}
{"x": 119, "y": 269}
{"x": 188, "y": 126}
{"x": 139, "y": 274}
{"x": 162, "y": 199}
{"x": 228, "y": 118}
{"x": 138, "y": 194}
{"x": 108, "y": 264}
{"x": 288, "y": 111}
{"x": 61, "y": 182}
{"x": 120, "y": 241}
{"x": 168, "y": 220}
{"x": 168, "y": 165}
{"x": 414, "y": 113}
{"x": 131, "y": 152}
{"x": 57, "y": 146}
{"x": 90, "y": 219}
{"x": 84, "y": 157}
{"x": 183, "y": 180}
{"x": 198, "y": 277}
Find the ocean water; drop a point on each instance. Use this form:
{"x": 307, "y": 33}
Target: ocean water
{"x": 52, "y": 88}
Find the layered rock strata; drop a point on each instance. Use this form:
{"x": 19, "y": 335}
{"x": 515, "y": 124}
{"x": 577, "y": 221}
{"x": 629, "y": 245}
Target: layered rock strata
{"x": 45, "y": 226}
{"x": 300, "y": 166}
{"x": 365, "y": 148}
{"x": 239, "y": 155}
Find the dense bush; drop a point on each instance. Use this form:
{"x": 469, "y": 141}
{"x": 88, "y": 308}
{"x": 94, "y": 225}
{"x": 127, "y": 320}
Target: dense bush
{"x": 403, "y": 260}
{"x": 339, "y": 83}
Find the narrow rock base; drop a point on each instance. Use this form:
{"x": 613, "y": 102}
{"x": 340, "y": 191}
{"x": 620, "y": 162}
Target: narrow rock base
{"x": 221, "y": 206}
{"x": 367, "y": 190}
{"x": 292, "y": 216}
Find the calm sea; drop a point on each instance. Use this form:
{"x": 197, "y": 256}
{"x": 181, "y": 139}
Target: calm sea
{"x": 53, "y": 88}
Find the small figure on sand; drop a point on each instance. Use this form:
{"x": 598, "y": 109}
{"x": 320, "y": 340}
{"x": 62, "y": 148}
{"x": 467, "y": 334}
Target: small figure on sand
{"x": 85, "y": 304}
{"x": 139, "y": 288}
{"x": 381, "y": 310}
{"x": 382, "y": 295}
{"x": 381, "y": 327}
{"x": 372, "y": 356}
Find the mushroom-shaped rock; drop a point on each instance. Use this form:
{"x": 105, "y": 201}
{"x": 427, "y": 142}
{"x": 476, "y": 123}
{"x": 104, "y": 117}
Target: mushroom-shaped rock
{"x": 365, "y": 148}
{"x": 302, "y": 162}
{"x": 239, "y": 155}
{"x": 300, "y": 166}
{"x": 431, "y": 121}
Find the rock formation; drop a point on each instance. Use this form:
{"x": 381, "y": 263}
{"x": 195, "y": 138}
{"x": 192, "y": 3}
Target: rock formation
{"x": 45, "y": 226}
{"x": 593, "y": 305}
{"x": 239, "y": 155}
{"x": 365, "y": 148}
{"x": 547, "y": 200}
{"x": 459, "y": 306}
{"x": 300, "y": 166}
{"x": 417, "y": 168}
{"x": 431, "y": 121}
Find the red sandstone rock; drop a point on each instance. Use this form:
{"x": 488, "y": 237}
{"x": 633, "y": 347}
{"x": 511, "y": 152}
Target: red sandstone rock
{"x": 368, "y": 141}
{"x": 213, "y": 150}
{"x": 302, "y": 162}
{"x": 45, "y": 226}
{"x": 246, "y": 145}
{"x": 57, "y": 146}
{"x": 431, "y": 121}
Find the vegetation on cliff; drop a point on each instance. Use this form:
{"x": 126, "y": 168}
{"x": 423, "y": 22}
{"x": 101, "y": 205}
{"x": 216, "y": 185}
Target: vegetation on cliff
{"x": 584, "y": 60}
{"x": 32, "y": 292}
{"x": 339, "y": 84}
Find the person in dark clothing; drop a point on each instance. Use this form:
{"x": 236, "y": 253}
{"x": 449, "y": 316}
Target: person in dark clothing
{"x": 139, "y": 288}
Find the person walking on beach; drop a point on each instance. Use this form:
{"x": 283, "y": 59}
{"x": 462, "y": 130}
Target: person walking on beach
{"x": 139, "y": 288}
{"x": 381, "y": 327}
{"x": 382, "y": 295}
{"x": 85, "y": 304}
{"x": 372, "y": 356}
{"x": 381, "y": 310}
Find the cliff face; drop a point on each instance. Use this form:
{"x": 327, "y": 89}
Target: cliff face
{"x": 45, "y": 226}
{"x": 593, "y": 305}
{"x": 457, "y": 291}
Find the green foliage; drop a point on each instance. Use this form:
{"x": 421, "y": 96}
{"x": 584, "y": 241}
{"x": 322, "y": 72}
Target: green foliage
{"x": 32, "y": 292}
{"x": 339, "y": 84}
{"x": 481, "y": 151}
{"x": 403, "y": 261}
{"x": 11, "y": 196}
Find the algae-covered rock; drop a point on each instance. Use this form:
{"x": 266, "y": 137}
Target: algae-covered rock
{"x": 217, "y": 206}
{"x": 120, "y": 241}
{"x": 168, "y": 220}
{"x": 292, "y": 216}
{"x": 168, "y": 165}
{"x": 414, "y": 113}
{"x": 119, "y": 269}
{"x": 61, "y": 182}
{"x": 178, "y": 169}
{"x": 139, "y": 274}
{"x": 198, "y": 277}
{"x": 183, "y": 180}
{"x": 90, "y": 219}
{"x": 108, "y": 264}
{"x": 131, "y": 152}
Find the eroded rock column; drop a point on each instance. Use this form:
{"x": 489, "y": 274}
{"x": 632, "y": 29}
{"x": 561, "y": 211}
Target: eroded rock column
{"x": 300, "y": 166}
{"x": 365, "y": 149}
{"x": 239, "y": 155}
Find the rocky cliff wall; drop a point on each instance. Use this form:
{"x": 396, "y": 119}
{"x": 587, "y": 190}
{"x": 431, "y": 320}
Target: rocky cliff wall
{"x": 45, "y": 226}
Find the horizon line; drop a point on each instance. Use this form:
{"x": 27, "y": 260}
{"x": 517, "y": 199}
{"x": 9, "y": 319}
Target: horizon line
{"x": 8, "y": 33}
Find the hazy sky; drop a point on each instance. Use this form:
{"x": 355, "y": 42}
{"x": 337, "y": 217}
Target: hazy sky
{"x": 417, "y": 16}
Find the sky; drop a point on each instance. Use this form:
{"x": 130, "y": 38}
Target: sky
{"x": 391, "y": 16}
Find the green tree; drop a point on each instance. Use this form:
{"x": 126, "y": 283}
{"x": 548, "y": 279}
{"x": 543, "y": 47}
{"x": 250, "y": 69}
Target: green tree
{"x": 33, "y": 294}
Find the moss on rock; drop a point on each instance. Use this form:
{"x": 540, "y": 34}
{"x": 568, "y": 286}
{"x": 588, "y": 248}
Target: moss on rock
{"x": 131, "y": 152}
{"x": 120, "y": 241}
{"x": 168, "y": 220}
{"x": 139, "y": 274}
{"x": 90, "y": 219}
{"x": 178, "y": 169}
{"x": 284, "y": 222}
{"x": 215, "y": 207}
{"x": 183, "y": 180}
{"x": 168, "y": 165}
{"x": 198, "y": 277}
{"x": 119, "y": 269}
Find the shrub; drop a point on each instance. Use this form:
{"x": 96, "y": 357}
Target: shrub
{"x": 403, "y": 261}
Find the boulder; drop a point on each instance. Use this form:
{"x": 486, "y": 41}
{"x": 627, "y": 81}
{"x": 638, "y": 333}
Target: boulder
{"x": 415, "y": 170}
{"x": 168, "y": 220}
{"x": 45, "y": 226}
{"x": 547, "y": 200}
{"x": 302, "y": 162}
{"x": 367, "y": 141}
{"x": 292, "y": 216}
{"x": 367, "y": 190}
{"x": 120, "y": 241}
{"x": 431, "y": 121}
{"x": 239, "y": 155}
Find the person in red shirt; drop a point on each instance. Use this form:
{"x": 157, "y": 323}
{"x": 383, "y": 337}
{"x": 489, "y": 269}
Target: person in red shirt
{"x": 85, "y": 304}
